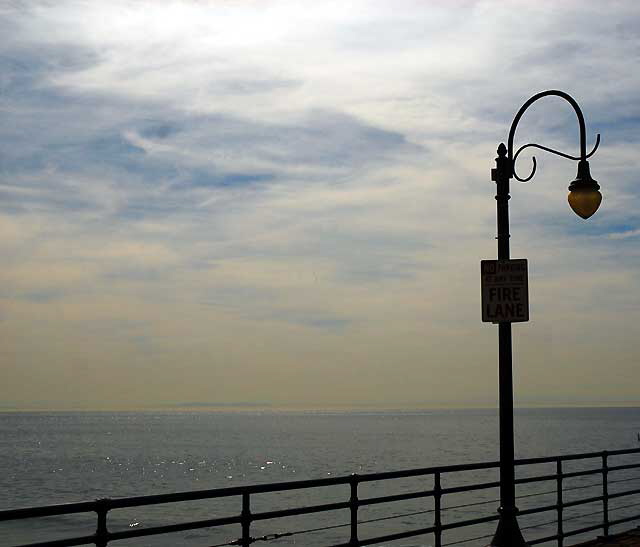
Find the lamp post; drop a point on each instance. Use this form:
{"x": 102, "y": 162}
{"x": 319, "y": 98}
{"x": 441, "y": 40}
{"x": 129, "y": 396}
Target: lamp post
{"x": 584, "y": 198}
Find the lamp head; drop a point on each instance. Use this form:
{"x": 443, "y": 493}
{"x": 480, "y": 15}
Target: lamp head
{"x": 584, "y": 196}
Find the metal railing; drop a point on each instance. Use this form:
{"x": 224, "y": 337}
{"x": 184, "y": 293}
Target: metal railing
{"x": 102, "y": 536}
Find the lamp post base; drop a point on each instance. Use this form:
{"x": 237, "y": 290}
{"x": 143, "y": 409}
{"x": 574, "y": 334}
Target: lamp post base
{"x": 508, "y": 533}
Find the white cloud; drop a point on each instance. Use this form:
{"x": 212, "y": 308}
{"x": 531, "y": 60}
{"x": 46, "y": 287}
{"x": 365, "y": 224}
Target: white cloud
{"x": 624, "y": 235}
{"x": 277, "y": 168}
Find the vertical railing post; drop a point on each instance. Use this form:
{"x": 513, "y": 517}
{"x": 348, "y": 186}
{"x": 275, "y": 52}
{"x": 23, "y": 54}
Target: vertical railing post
{"x": 102, "y": 534}
{"x": 605, "y": 494}
{"x": 353, "y": 501}
{"x": 437, "y": 499}
{"x": 246, "y": 519}
{"x": 559, "y": 501}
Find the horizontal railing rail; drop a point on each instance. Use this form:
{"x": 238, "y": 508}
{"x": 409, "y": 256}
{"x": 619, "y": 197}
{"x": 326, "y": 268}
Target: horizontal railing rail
{"x": 245, "y": 519}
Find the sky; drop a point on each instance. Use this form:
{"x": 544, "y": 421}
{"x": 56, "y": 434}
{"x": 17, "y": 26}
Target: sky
{"x": 286, "y": 203}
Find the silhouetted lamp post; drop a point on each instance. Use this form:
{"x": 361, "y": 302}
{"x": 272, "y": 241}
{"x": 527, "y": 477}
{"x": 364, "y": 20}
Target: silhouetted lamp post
{"x": 584, "y": 199}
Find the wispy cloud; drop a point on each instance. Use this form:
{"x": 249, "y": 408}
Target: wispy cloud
{"x": 229, "y": 186}
{"x": 626, "y": 234}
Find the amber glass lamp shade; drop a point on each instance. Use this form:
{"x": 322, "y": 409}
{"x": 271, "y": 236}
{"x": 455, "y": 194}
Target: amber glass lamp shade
{"x": 585, "y": 203}
{"x": 584, "y": 192}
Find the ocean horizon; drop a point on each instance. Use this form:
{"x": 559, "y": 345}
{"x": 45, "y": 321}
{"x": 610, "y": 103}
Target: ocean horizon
{"x": 292, "y": 407}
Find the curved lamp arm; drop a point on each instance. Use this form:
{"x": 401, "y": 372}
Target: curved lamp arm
{"x": 583, "y": 137}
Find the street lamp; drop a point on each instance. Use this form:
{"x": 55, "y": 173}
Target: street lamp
{"x": 584, "y": 198}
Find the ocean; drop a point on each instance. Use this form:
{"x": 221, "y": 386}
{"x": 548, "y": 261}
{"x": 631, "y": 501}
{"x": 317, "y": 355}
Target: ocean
{"x": 56, "y": 457}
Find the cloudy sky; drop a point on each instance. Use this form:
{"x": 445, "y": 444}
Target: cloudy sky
{"x": 286, "y": 203}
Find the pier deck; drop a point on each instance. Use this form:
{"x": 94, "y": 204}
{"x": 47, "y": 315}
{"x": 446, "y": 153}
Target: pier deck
{"x": 628, "y": 539}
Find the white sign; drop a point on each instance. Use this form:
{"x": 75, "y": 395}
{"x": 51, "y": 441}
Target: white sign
{"x": 505, "y": 291}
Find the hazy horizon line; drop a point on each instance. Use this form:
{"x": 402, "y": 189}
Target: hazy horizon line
{"x": 283, "y": 407}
